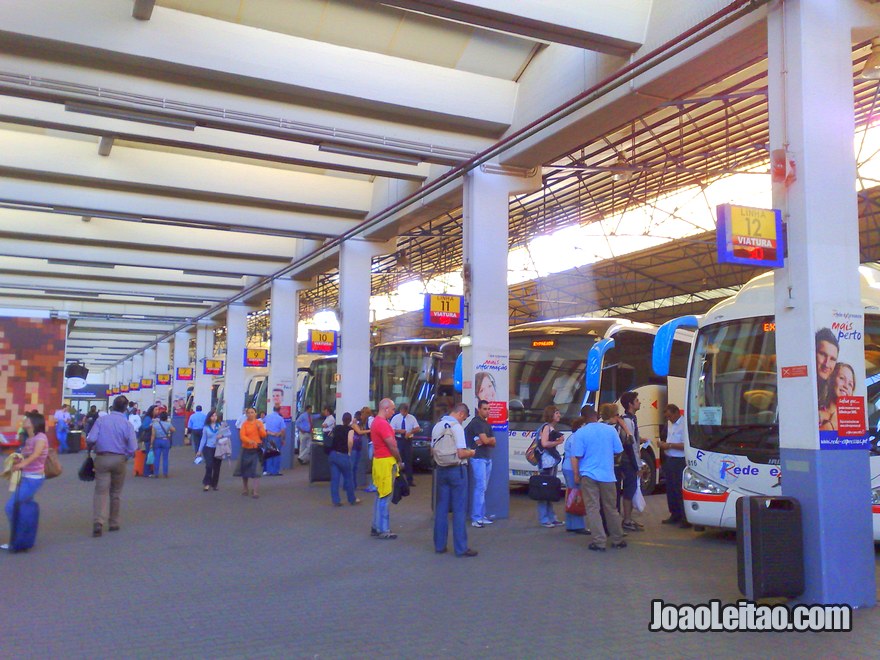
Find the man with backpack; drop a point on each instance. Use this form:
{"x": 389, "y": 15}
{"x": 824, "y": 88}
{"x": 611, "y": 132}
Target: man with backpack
{"x": 450, "y": 453}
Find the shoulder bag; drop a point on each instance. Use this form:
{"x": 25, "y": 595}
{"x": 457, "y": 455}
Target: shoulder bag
{"x": 87, "y": 469}
{"x": 52, "y": 467}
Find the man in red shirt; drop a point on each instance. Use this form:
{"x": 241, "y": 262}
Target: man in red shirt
{"x": 385, "y": 458}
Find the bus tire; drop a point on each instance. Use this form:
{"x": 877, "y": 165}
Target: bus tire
{"x": 649, "y": 480}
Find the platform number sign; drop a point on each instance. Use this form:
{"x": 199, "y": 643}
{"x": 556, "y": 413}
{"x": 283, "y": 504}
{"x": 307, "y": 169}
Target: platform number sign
{"x": 750, "y": 237}
{"x": 213, "y": 368}
{"x": 444, "y": 311}
{"x": 184, "y": 373}
{"x": 322, "y": 341}
{"x": 163, "y": 379}
{"x": 256, "y": 357}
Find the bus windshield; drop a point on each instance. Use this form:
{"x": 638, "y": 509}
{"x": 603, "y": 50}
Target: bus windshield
{"x": 321, "y": 388}
{"x": 404, "y": 374}
{"x": 732, "y": 398}
{"x": 547, "y": 369}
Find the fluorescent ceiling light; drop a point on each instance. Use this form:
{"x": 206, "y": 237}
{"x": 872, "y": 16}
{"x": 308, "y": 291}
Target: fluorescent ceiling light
{"x": 130, "y": 115}
{"x": 65, "y": 292}
{"x": 369, "y": 153}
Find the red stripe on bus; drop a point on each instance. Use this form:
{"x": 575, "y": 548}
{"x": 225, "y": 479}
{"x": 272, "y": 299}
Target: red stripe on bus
{"x": 704, "y": 497}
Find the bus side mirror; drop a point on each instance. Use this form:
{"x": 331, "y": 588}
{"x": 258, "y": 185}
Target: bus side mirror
{"x": 665, "y": 338}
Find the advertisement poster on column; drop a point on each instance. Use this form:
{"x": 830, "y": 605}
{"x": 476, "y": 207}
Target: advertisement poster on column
{"x": 491, "y": 384}
{"x": 281, "y": 395}
{"x": 840, "y": 380}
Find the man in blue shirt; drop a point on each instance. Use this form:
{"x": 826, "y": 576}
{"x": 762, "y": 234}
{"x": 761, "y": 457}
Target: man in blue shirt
{"x": 593, "y": 447}
{"x": 276, "y": 429}
{"x": 304, "y": 434}
{"x": 195, "y": 425}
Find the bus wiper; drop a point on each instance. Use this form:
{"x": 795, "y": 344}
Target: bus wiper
{"x": 739, "y": 429}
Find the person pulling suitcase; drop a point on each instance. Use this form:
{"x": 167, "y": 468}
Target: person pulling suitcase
{"x": 21, "y": 509}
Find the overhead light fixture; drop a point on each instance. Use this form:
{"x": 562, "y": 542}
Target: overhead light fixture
{"x": 622, "y": 170}
{"x": 74, "y": 262}
{"x": 871, "y": 70}
{"x": 130, "y": 115}
{"x": 75, "y": 375}
{"x": 369, "y": 153}
{"x": 105, "y": 146}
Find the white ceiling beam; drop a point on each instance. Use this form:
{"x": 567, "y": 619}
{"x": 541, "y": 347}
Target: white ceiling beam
{"x": 53, "y": 116}
{"x": 264, "y": 60}
{"x": 109, "y": 287}
{"x": 138, "y": 311}
{"x": 78, "y": 200}
{"x": 180, "y": 175}
{"x": 616, "y": 27}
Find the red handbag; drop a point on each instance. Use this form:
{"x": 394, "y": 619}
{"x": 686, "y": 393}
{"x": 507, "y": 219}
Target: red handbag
{"x": 574, "y": 502}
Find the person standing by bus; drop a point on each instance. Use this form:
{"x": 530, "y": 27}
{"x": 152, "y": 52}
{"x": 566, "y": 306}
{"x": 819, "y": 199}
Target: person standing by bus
{"x": 304, "y": 435}
{"x": 405, "y": 426}
{"x": 631, "y": 464}
{"x": 385, "y": 458}
{"x": 673, "y": 465}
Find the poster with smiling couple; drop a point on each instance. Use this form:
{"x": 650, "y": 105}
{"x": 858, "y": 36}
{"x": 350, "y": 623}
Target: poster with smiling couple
{"x": 840, "y": 380}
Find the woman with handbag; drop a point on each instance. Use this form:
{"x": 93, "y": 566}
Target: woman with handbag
{"x": 574, "y": 501}
{"x": 550, "y": 459}
{"x": 161, "y": 441}
{"x": 361, "y": 427}
{"x": 252, "y": 434}
{"x": 207, "y": 450}
{"x": 31, "y": 465}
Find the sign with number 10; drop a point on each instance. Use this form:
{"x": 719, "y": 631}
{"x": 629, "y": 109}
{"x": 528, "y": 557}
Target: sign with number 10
{"x": 750, "y": 237}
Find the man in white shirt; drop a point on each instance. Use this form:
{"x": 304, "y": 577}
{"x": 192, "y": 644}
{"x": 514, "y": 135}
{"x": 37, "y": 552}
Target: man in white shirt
{"x": 134, "y": 419}
{"x": 452, "y": 488}
{"x": 328, "y": 424}
{"x": 673, "y": 465}
{"x": 405, "y": 427}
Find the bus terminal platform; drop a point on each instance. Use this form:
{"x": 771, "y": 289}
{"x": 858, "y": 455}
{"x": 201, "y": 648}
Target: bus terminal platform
{"x": 196, "y": 574}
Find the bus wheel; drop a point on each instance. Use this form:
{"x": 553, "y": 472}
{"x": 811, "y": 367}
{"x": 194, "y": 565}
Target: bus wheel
{"x": 649, "y": 480}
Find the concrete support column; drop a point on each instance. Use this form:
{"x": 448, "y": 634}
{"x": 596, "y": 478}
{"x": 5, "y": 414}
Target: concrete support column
{"x": 148, "y": 395}
{"x": 204, "y": 351}
{"x": 181, "y": 361}
{"x": 236, "y": 342}
{"x": 355, "y": 261}
{"x": 137, "y": 372}
{"x": 283, "y": 322}
{"x": 485, "y": 361}
{"x": 811, "y": 115}
{"x": 163, "y": 366}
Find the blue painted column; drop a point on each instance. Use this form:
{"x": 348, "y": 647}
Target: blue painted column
{"x": 485, "y": 346}
{"x": 811, "y": 116}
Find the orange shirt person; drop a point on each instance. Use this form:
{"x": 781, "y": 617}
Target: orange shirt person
{"x": 251, "y": 434}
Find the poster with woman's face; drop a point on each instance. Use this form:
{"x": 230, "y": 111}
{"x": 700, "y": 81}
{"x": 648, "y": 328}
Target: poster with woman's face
{"x": 490, "y": 384}
{"x": 840, "y": 381}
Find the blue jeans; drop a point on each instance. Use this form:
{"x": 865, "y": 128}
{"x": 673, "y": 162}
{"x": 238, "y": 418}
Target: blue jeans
{"x": 160, "y": 452}
{"x": 25, "y": 493}
{"x": 355, "y": 464}
{"x": 572, "y": 522}
{"x": 381, "y": 519}
{"x": 451, "y": 488}
{"x": 340, "y": 468}
{"x": 272, "y": 465}
{"x": 482, "y": 468}
{"x": 61, "y": 431}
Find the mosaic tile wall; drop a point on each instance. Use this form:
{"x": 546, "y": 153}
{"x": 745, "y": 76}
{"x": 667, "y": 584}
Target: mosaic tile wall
{"x": 31, "y": 369}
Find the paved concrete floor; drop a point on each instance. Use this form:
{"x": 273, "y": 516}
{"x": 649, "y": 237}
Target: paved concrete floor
{"x": 194, "y": 574}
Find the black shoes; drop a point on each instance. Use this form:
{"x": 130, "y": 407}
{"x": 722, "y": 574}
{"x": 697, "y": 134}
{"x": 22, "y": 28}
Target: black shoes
{"x": 440, "y": 552}
{"x": 578, "y": 531}
{"x": 671, "y": 520}
{"x": 114, "y": 528}
{"x": 684, "y": 524}
{"x": 621, "y": 545}
{"x": 595, "y": 547}
{"x": 469, "y": 553}
{"x": 97, "y": 530}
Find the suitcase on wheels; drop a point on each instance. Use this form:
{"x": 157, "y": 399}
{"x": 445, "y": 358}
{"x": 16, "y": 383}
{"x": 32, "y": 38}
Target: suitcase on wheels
{"x": 140, "y": 459}
{"x": 25, "y": 520}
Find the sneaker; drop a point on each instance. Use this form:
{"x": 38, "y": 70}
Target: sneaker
{"x": 468, "y": 553}
{"x": 387, "y": 536}
{"x": 486, "y": 521}
{"x": 632, "y": 527}
{"x": 97, "y": 530}
{"x": 595, "y": 547}
{"x": 557, "y": 523}
{"x": 476, "y": 523}
{"x": 371, "y": 489}
{"x": 622, "y": 544}
{"x": 548, "y": 525}
{"x": 5, "y": 546}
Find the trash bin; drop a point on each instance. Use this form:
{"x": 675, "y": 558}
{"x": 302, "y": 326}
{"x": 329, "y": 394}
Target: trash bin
{"x": 319, "y": 462}
{"x": 769, "y": 547}
{"x": 74, "y": 441}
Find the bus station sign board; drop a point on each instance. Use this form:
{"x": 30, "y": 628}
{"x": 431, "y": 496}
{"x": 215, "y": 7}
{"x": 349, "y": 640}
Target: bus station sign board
{"x": 750, "y": 237}
{"x": 444, "y": 311}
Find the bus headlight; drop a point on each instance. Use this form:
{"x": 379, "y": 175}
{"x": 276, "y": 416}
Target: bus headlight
{"x": 697, "y": 483}
{"x": 875, "y": 496}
